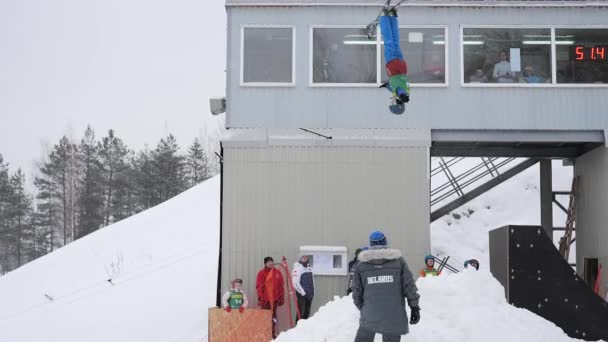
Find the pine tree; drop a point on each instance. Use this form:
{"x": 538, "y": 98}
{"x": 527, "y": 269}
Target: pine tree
{"x": 91, "y": 194}
{"x": 143, "y": 179}
{"x": 5, "y": 195}
{"x": 197, "y": 164}
{"x": 20, "y": 215}
{"x": 48, "y": 208}
{"x": 112, "y": 152}
{"x": 65, "y": 176}
{"x": 168, "y": 170}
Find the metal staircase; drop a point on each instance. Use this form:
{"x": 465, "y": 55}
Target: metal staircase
{"x": 459, "y": 182}
{"x": 566, "y": 241}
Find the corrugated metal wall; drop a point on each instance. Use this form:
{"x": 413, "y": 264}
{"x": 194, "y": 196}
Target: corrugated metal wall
{"x": 592, "y": 211}
{"x": 276, "y": 199}
{"x": 452, "y": 107}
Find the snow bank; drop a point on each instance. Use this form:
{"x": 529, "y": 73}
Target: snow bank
{"x": 469, "y": 306}
{"x": 163, "y": 269}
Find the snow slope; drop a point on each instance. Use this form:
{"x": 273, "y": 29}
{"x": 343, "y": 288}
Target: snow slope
{"x": 469, "y": 306}
{"x": 163, "y": 266}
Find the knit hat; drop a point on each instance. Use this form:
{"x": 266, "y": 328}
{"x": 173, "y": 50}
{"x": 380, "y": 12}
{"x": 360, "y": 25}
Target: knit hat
{"x": 267, "y": 259}
{"x": 377, "y": 238}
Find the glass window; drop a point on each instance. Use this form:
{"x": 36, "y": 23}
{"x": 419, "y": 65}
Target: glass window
{"x": 582, "y": 55}
{"x": 267, "y": 55}
{"x": 506, "y": 55}
{"x": 424, "y": 52}
{"x": 343, "y": 55}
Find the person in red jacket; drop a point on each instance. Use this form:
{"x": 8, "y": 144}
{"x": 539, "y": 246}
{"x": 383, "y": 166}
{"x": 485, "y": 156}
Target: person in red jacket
{"x": 271, "y": 294}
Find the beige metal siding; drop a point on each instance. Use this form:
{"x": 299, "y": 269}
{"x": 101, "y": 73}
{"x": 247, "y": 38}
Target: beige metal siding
{"x": 592, "y": 210}
{"x": 277, "y": 199}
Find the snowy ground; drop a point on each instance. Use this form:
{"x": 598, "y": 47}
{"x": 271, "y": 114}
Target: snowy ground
{"x": 469, "y": 306}
{"x": 163, "y": 266}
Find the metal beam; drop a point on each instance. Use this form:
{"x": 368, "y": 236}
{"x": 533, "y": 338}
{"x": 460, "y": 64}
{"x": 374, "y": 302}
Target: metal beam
{"x": 518, "y": 136}
{"x": 446, "y": 209}
{"x": 546, "y": 196}
{"x": 561, "y": 206}
{"x": 479, "y": 150}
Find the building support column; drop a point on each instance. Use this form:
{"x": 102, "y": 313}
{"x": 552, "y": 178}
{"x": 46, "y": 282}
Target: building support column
{"x": 546, "y": 196}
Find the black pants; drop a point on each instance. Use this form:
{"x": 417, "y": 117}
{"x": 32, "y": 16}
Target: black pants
{"x": 272, "y": 307}
{"x": 364, "y": 335}
{"x": 304, "y": 306}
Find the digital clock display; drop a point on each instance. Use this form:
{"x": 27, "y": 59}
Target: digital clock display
{"x": 589, "y": 53}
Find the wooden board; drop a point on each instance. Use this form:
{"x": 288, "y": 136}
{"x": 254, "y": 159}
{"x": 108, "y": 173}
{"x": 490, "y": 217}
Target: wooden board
{"x": 253, "y": 325}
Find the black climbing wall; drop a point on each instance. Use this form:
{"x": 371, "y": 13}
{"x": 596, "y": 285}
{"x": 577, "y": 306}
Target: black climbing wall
{"x": 536, "y": 277}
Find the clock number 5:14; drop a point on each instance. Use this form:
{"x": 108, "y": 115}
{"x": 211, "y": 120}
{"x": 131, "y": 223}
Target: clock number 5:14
{"x": 596, "y": 53}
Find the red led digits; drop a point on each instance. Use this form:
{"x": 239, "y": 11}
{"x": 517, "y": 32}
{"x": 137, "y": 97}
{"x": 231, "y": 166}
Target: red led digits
{"x": 580, "y": 55}
{"x": 599, "y": 51}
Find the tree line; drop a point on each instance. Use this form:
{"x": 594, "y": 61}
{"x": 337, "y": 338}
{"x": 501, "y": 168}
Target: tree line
{"x": 85, "y": 185}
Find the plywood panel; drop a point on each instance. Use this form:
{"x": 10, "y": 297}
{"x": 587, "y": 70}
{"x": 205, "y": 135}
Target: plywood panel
{"x": 252, "y": 325}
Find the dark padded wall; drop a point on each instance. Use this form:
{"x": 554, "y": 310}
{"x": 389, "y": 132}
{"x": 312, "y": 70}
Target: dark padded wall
{"x": 540, "y": 280}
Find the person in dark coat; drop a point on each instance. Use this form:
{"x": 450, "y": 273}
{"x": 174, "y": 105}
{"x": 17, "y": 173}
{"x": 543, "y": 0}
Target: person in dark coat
{"x": 351, "y": 269}
{"x": 381, "y": 283}
{"x": 304, "y": 284}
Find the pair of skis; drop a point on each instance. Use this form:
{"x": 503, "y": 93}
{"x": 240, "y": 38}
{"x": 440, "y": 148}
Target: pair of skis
{"x": 373, "y": 26}
{"x": 290, "y": 291}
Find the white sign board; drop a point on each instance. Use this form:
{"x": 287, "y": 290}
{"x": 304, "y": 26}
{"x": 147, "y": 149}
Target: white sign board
{"x": 327, "y": 260}
{"x": 515, "y": 60}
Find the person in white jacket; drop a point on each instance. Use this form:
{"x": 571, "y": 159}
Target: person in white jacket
{"x": 304, "y": 285}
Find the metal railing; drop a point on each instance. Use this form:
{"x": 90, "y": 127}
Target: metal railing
{"x": 456, "y": 183}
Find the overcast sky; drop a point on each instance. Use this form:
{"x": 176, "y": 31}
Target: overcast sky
{"x": 141, "y": 67}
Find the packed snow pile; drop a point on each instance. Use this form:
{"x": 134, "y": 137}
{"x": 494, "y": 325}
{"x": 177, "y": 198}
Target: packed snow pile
{"x": 469, "y": 306}
{"x": 150, "y": 277}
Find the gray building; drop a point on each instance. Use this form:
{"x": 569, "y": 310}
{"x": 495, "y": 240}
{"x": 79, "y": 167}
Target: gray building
{"x": 489, "y": 78}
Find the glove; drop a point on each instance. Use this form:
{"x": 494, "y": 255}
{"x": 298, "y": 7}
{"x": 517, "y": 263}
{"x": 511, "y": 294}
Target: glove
{"x": 415, "y": 315}
{"x": 228, "y": 309}
{"x": 241, "y": 309}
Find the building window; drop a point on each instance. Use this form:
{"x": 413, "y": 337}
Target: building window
{"x": 326, "y": 260}
{"x": 343, "y": 55}
{"x": 507, "y": 55}
{"x": 581, "y": 55}
{"x": 267, "y": 56}
{"x": 425, "y": 52}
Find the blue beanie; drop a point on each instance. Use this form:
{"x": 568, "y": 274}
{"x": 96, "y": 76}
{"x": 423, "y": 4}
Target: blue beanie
{"x": 377, "y": 238}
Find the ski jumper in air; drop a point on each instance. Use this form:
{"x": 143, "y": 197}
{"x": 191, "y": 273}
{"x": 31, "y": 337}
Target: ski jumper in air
{"x": 396, "y": 67}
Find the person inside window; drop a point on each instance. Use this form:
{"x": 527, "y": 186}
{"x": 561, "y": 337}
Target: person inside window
{"x": 502, "y": 70}
{"x": 530, "y": 76}
{"x": 478, "y": 77}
